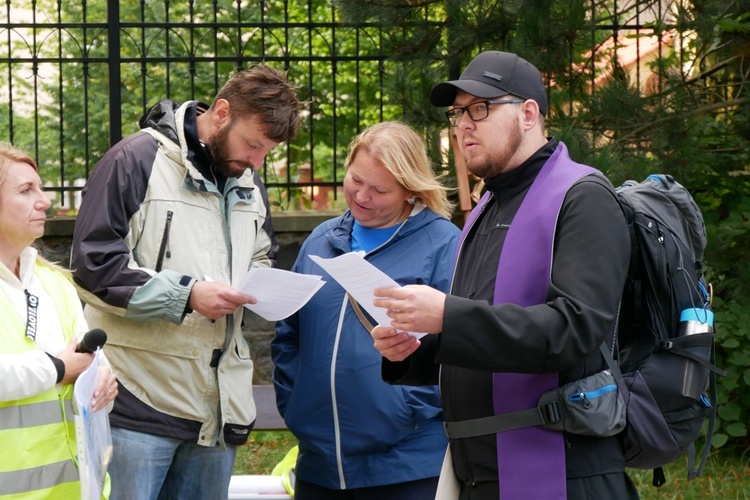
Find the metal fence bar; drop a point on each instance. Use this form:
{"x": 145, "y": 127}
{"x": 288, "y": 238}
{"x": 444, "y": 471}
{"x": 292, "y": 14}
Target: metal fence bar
{"x": 115, "y": 96}
{"x": 54, "y": 74}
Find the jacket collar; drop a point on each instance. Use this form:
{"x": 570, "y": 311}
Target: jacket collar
{"x": 166, "y": 120}
{"x": 520, "y": 178}
{"x": 340, "y": 233}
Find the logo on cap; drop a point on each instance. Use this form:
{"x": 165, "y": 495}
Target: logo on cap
{"x": 493, "y": 76}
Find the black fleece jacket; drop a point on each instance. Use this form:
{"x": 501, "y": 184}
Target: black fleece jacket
{"x": 561, "y": 336}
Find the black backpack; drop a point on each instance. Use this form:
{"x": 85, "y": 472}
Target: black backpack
{"x": 668, "y": 373}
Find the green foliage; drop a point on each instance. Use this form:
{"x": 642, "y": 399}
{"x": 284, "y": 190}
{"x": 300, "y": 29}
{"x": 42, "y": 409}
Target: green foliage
{"x": 263, "y": 451}
{"x": 179, "y": 51}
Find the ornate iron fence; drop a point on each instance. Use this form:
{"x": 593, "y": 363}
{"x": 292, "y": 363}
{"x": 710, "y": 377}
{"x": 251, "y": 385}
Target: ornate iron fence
{"x": 75, "y": 76}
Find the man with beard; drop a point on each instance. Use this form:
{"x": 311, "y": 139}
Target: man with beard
{"x": 171, "y": 218}
{"x": 536, "y": 287}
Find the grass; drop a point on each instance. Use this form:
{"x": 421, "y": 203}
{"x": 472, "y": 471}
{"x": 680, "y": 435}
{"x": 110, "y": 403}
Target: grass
{"x": 726, "y": 475}
{"x": 263, "y": 451}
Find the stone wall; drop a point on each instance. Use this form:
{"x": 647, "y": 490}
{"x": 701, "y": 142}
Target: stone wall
{"x": 291, "y": 230}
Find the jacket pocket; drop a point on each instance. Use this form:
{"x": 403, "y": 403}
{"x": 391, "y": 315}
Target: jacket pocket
{"x": 164, "y": 246}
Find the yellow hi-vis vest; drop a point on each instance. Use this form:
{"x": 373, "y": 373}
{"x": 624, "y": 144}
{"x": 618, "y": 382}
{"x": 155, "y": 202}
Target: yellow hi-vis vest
{"x": 37, "y": 434}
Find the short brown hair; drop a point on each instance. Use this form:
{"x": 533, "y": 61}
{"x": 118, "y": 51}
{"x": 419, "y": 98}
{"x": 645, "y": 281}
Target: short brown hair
{"x": 265, "y": 93}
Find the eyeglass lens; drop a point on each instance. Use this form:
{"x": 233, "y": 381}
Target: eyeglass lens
{"x": 477, "y": 111}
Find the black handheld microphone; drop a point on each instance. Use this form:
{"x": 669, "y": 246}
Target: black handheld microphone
{"x": 92, "y": 340}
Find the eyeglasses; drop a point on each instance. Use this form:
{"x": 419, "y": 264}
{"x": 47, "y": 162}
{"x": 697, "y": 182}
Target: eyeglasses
{"x": 477, "y": 110}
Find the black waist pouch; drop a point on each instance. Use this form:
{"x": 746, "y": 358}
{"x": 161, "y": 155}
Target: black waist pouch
{"x": 591, "y": 406}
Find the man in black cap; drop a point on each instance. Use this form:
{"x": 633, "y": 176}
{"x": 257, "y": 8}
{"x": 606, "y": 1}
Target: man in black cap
{"x": 537, "y": 283}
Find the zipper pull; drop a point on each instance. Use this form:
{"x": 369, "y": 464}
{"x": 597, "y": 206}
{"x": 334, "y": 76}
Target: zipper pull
{"x": 582, "y": 399}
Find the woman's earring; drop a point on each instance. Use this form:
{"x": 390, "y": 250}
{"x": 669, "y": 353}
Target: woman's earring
{"x": 411, "y": 200}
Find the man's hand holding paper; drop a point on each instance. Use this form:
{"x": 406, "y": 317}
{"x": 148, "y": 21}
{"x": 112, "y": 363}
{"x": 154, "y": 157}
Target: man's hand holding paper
{"x": 216, "y": 300}
{"x": 413, "y": 308}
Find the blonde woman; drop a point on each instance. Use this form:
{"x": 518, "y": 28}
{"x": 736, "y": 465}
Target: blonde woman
{"x": 42, "y": 323}
{"x": 361, "y": 438}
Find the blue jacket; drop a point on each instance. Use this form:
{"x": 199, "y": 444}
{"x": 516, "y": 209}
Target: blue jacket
{"x": 354, "y": 429}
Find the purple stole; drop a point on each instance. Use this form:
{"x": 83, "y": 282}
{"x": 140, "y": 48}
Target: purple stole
{"x": 531, "y": 461}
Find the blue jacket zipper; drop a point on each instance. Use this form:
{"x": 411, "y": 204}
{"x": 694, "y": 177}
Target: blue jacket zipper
{"x": 584, "y": 397}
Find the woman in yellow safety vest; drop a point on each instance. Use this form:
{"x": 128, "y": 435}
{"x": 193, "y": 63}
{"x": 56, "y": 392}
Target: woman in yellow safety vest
{"x": 42, "y": 322}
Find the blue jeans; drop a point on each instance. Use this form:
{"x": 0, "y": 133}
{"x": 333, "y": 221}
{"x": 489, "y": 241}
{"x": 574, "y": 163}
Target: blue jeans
{"x": 148, "y": 467}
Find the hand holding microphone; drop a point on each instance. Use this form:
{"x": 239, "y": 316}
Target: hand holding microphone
{"x": 76, "y": 357}
{"x": 106, "y": 387}
{"x": 92, "y": 340}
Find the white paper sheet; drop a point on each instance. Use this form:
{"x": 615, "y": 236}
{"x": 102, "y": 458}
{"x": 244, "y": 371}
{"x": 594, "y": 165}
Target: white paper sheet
{"x": 279, "y": 293}
{"x": 93, "y": 437}
{"x": 360, "y": 279}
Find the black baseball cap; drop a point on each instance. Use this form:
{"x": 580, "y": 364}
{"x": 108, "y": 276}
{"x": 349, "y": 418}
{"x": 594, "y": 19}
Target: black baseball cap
{"x": 494, "y": 74}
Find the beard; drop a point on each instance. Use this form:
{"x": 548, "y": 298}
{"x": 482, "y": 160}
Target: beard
{"x": 497, "y": 161}
{"x": 221, "y": 161}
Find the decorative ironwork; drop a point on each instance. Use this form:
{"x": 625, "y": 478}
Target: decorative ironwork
{"x": 76, "y": 76}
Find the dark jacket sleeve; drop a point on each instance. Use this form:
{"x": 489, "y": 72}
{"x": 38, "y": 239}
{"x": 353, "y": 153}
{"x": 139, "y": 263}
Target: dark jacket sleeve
{"x": 112, "y": 194}
{"x": 589, "y": 267}
{"x": 419, "y": 369}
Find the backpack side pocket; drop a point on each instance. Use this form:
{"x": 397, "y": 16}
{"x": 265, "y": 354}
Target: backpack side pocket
{"x": 648, "y": 441}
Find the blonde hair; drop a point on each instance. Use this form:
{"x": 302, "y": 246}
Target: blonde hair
{"x": 402, "y": 152}
{"x": 8, "y": 156}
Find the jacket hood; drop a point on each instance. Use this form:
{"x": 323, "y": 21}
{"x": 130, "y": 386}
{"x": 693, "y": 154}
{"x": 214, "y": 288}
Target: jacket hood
{"x": 339, "y": 230}
{"x": 161, "y": 117}
{"x": 166, "y": 119}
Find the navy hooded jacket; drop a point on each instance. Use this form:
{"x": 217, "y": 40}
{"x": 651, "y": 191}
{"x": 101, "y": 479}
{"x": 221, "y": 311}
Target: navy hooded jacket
{"x": 354, "y": 429}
